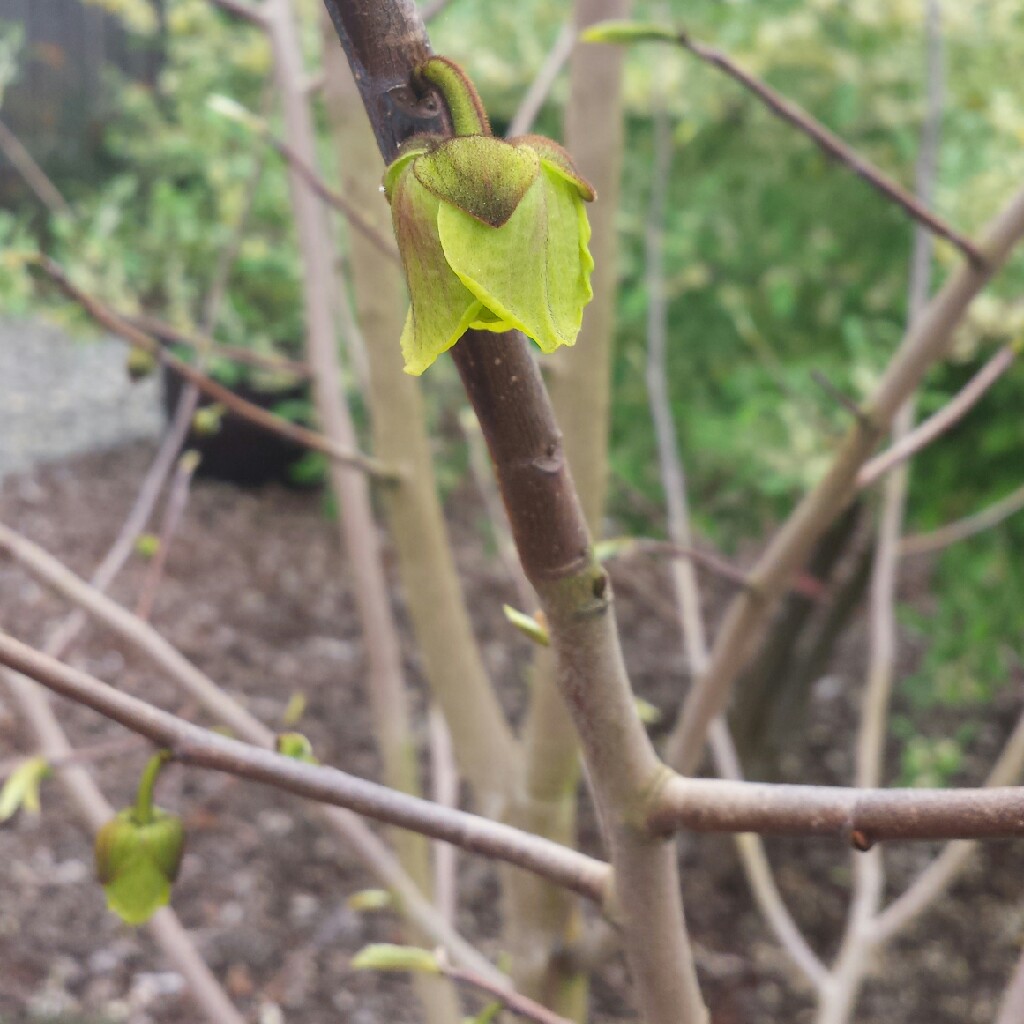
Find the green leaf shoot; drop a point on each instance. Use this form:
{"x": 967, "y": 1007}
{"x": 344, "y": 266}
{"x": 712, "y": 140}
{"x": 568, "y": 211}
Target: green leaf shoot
{"x": 21, "y": 790}
{"x": 366, "y": 900}
{"x": 384, "y": 956}
{"x": 618, "y": 32}
{"x": 528, "y": 625}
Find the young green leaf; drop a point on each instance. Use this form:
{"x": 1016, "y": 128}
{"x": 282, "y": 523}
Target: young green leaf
{"x": 384, "y": 956}
{"x": 295, "y": 745}
{"x": 625, "y": 32}
{"x": 527, "y": 625}
{"x": 21, "y": 790}
{"x": 370, "y": 899}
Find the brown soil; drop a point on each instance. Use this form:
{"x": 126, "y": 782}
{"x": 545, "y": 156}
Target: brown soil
{"x": 256, "y": 595}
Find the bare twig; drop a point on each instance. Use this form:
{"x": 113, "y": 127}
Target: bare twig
{"x": 803, "y": 584}
{"x": 540, "y": 88}
{"x": 961, "y": 529}
{"x": 939, "y": 422}
{"x": 371, "y": 851}
{"x": 203, "y": 343}
{"x": 34, "y": 176}
{"x": 247, "y": 410}
{"x": 834, "y": 146}
{"x": 445, "y": 792}
{"x": 333, "y": 198}
{"x": 205, "y": 748}
{"x": 514, "y": 1002}
{"x": 935, "y": 879}
{"x": 174, "y": 508}
{"x": 751, "y": 849}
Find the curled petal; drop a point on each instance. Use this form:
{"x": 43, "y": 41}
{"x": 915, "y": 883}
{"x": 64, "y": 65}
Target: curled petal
{"x": 555, "y": 158}
{"x": 484, "y": 177}
{"x": 441, "y": 306}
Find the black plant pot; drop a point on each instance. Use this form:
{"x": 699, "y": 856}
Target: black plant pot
{"x": 240, "y": 452}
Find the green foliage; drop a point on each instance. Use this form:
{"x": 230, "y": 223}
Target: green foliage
{"x": 21, "y": 789}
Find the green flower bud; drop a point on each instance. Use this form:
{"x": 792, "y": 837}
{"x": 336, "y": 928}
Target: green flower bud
{"x": 140, "y": 364}
{"x": 137, "y": 862}
{"x": 295, "y": 745}
{"x": 493, "y": 234}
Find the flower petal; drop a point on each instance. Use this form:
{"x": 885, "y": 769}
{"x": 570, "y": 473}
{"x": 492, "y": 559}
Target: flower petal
{"x": 441, "y": 306}
{"x": 485, "y": 177}
{"x": 533, "y": 273}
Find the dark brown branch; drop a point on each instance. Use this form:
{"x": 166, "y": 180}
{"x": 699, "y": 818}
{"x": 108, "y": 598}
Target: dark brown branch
{"x": 832, "y": 145}
{"x": 247, "y": 410}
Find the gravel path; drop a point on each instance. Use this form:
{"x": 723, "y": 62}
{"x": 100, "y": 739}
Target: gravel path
{"x": 62, "y": 396}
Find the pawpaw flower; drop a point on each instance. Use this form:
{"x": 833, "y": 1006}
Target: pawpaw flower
{"x": 136, "y": 862}
{"x": 493, "y": 236}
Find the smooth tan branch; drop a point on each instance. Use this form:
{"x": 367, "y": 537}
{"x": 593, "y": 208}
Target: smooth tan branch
{"x": 862, "y": 817}
{"x": 194, "y": 745}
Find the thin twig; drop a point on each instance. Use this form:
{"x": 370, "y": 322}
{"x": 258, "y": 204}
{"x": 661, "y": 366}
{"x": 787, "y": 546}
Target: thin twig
{"x": 206, "y": 748}
{"x": 833, "y": 146}
{"x": 935, "y": 879}
{"x": 333, "y": 198}
{"x": 95, "y": 753}
{"x": 751, "y": 849}
{"x": 174, "y": 508}
{"x": 445, "y": 792}
{"x": 514, "y": 1002}
{"x": 247, "y": 410}
{"x": 32, "y": 174}
{"x": 204, "y": 343}
{"x": 961, "y": 529}
{"x": 924, "y": 344}
{"x": 803, "y": 584}
{"x": 540, "y": 88}
{"x": 371, "y": 851}
{"x": 839, "y": 998}
{"x": 939, "y": 422}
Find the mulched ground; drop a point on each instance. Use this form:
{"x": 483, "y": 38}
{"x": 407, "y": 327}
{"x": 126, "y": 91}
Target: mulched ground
{"x": 256, "y": 594}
